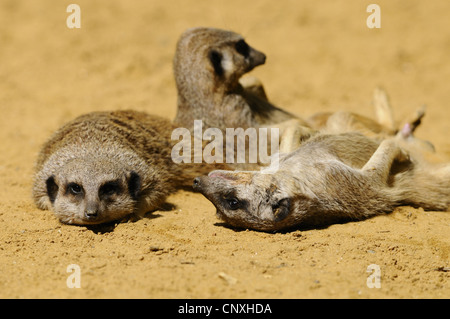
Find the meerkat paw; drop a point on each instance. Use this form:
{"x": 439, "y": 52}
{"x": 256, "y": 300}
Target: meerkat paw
{"x": 132, "y": 218}
{"x": 254, "y": 85}
{"x": 403, "y": 155}
{"x": 414, "y": 121}
{"x": 396, "y": 147}
{"x": 406, "y": 139}
{"x": 293, "y": 133}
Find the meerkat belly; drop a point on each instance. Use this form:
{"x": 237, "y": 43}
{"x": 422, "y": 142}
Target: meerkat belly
{"x": 345, "y": 192}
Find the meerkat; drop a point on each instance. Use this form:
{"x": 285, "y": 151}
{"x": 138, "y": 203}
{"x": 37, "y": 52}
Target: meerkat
{"x": 209, "y": 65}
{"x": 329, "y": 179}
{"x": 105, "y": 166}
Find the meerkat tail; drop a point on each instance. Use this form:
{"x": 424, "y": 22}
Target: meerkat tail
{"x": 427, "y": 187}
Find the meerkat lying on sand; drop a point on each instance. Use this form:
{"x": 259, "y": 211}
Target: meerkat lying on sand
{"x": 329, "y": 179}
{"x": 104, "y": 166}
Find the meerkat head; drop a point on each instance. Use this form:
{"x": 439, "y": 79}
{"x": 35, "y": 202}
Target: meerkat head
{"x": 86, "y": 192}
{"x": 220, "y": 54}
{"x": 249, "y": 199}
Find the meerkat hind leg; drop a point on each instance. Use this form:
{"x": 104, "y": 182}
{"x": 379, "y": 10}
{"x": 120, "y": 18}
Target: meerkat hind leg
{"x": 383, "y": 109}
{"x": 385, "y": 115}
{"x": 379, "y": 165}
{"x": 413, "y": 122}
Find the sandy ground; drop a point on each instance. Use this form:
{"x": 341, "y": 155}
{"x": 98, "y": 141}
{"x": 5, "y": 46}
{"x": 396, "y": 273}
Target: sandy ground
{"x": 320, "y": 57}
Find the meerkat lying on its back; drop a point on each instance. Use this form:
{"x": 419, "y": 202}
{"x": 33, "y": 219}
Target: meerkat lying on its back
{"x": 329, "y": 179}
{"x": 104, "y": 166}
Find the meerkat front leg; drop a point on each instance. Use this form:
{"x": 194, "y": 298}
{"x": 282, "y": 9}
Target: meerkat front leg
{"x": 292, "y": 134}
{"x": 253, "y": 84}
{"x": 379, "y": 165}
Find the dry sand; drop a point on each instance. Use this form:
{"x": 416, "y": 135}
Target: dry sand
{"x": 320, "y": 57}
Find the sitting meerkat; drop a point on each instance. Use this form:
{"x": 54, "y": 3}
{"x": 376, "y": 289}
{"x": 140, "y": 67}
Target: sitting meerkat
{"x": 330, "y": 178}
{"x": 208, "y": 65}
{"x": 105, "y": 166}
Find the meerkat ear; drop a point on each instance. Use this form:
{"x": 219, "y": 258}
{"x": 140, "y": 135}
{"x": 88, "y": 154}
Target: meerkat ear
{"x": 134, "y": 185}
{"x": 216, "y": 61}
{"x": 52, "y": 188}
{"x": 281, "y": 209}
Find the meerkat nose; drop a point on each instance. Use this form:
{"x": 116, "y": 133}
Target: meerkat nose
{"x": 91, "y": 213}
{"x": 196, "y": 184}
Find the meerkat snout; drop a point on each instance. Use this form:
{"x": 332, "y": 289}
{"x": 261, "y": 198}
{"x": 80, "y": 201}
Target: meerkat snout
{"x": 233, "y": 61}
{"x": 197, "y": 184}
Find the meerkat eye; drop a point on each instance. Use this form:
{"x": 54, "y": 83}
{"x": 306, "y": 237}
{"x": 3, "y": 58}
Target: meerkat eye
{"x": 242, "y": 48}
{"x": 74, "y": 189}
{"x": 233, "y": 203}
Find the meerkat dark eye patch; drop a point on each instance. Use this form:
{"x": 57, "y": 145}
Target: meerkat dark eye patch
{"x": 216, "y": 61}
{"x": 52, "y": 188}
{"x": 74, "y": 189}
{"x": 242, "y": 48}
{"x": 134, "y": 185}
{"x": 110, "y": 188}
{"x": 230, "y": 201}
